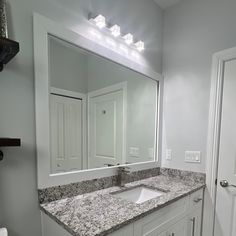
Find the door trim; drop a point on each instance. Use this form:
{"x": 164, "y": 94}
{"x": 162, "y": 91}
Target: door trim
{"x": 214, "y": 124}
{"x": 83, "y": 98}
{"x": 110, "y": 89}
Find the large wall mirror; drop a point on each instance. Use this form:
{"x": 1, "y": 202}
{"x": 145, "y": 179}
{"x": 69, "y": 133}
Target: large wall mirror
{"x": 100, "y": 113}
{"x": 95, "y": 101}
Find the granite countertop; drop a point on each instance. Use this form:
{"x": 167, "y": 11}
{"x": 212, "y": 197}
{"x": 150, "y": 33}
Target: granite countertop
{"x": 101, "y": 213}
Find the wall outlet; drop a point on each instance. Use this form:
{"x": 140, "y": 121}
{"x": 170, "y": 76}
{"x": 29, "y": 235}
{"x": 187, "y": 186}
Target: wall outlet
{"x": 168, "y": 154}
{"x": 134, "y": 152}
{"x": 193, "y": 156}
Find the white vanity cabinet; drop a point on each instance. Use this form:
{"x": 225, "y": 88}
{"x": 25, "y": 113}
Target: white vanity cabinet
{"x": 179, "y": 229}
{"x": 195, "y": 223}
{"x": 125, "y": 231}
{"x": 195, "y": 214}
{"x": 181, "y": 218}
{"x": 161, "y": 221}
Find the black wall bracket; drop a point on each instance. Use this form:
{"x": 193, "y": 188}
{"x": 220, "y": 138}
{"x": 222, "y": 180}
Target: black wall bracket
{"x": 8, "y": 142}
{"x": 8, "y": 50}
{"x": 1, "y": 155}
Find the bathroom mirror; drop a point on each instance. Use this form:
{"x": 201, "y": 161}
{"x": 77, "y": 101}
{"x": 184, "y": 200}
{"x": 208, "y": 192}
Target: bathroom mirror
{"x": 94, "y": 108}
{"x": 101, "y": 113}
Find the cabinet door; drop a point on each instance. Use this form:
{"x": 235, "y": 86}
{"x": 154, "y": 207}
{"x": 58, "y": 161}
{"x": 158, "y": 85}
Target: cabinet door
{"x": 179, "y": 229}
{"x": 158, "y": 222}
{"x": 195, "y": 222}
{"x": 126, "y": 231}
{"x": 162, "y": 234}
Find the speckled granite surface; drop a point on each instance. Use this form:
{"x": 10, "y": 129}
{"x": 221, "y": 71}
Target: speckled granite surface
{"x": 184, "y": 175}
{"x": 74, "y": 189}
{"x": 100, "y": 213}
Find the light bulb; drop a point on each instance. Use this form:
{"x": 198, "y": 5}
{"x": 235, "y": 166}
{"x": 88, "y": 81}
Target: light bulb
{"x": 140, "y": 45}
{"x": 115, "y": 30}
{"x": 100, "y": 21}
{"x": 129, "y": 38}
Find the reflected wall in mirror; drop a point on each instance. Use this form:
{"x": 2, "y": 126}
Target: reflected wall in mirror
{"x": 101, "y": 113}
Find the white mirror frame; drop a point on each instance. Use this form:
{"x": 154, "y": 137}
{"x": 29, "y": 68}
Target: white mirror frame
{"x": 42, "y": 28}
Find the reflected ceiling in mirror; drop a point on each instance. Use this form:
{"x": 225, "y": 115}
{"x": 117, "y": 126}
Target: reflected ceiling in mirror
{"x": 101, "y": 113}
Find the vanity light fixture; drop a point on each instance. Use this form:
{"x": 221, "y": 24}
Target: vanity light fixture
{"x": 129, "y": 38}
{"x": 115, "y": 30}
{"x": 100, "y": 22}
{"x": 140, "y": 45}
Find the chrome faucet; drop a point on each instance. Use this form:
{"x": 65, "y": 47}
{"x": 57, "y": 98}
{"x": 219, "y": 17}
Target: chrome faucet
{"x": 122, "y": 171}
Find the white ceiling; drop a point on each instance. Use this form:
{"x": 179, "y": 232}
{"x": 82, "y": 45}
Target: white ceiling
{"x": 166, "y": 3}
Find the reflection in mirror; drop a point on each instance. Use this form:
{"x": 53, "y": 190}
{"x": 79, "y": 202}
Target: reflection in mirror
{"x": 101, "y": 113}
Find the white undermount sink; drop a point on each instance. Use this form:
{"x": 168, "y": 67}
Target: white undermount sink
{"x": 138, "y": 194}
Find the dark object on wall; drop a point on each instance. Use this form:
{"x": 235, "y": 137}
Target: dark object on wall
{"x": 8, "y": 142}
{"x": 8, "y": 48}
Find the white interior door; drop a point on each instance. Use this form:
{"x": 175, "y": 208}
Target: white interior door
{"x": 225, "y": 219}
{"x": 66, "y": 134}
{"x": 106, "y": 129}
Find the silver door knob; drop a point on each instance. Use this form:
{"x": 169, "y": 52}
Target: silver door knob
{"x": 225, "y": 184}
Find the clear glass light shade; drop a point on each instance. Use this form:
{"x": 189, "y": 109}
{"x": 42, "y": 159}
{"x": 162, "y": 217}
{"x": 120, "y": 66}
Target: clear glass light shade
{"x": 115, "y": 30}
{"x": 129, "y": 38}
{"x": 100, "y": 21}
{"x": 140, "y": 45}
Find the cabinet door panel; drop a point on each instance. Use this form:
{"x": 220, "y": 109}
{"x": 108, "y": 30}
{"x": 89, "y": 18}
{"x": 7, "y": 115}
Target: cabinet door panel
{"x": 179, "y": 229}
{"x": 126, "y": 231}
{"x": 162, "y": 234}
{"x": 195, "y": 223}
{"x": 158, "y": 222}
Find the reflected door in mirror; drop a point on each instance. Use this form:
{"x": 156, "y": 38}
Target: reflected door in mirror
{"x": 66, "y": 134}
{"x": 106, "y": 128}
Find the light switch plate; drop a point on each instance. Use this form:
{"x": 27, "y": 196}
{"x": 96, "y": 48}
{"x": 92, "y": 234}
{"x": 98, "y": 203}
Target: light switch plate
{"x": 168, "y": 154}
{"x": 193, "y": 156}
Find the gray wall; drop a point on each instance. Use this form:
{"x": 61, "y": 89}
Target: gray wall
{"x": 68, "y": 67}
{"x": 18, "y": 197}
{"x": 193, "y": 31}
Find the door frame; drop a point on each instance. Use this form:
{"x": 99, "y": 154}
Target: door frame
{"x": 110, "y": 89}
{"x": 83, "y": 97}
{"x": 214, "y": 125}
